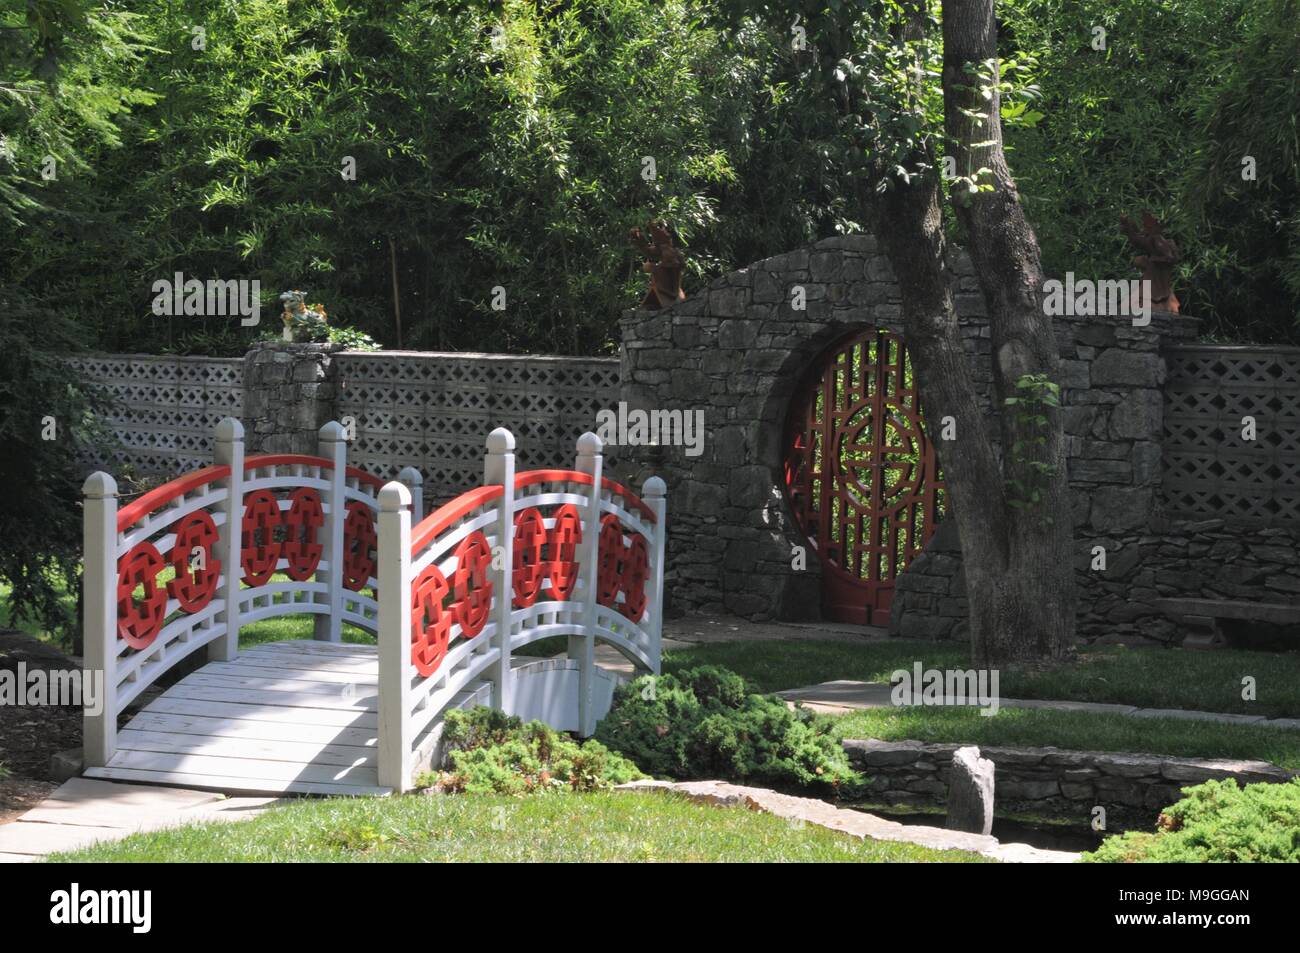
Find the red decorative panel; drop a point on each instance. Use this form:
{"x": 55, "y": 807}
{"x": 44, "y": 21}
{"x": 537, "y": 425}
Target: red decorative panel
{"x": 529, "y": 567}
{"x": 193, "y": 586}
{"x": 471, "y": 585}
{"x": 431, "y": 620}
{"x": 302, "y": 523}
{"x": 609, "y": 576}
{"x": 359, "y": 542}
{"x": 563, "y": 542}
{"x": 861, "y": 473}
{"x": 636, "y": 570}
{"x": 259, "y": 550}
{"x": 138, "y": 623}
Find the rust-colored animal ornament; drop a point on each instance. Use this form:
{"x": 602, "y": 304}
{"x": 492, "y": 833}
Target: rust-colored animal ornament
{"x": 1157, "y": 262}
{"x": 664, "y": 267}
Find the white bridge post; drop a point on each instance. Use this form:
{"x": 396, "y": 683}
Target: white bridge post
{"x": 396, "y": 669}
{"x": 99, "y": 607}
{"x": 583, "y": 647}
{"x": 654, "y": 493}
{"x": 499, "y": 468}
{"x": 332, "y": 444}
{"x": 414, "y": 481}
{"x": 229, "y": 452}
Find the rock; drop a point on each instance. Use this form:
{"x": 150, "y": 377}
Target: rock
{"x": 970, "y": 792}
{"x": 66, "y": 765}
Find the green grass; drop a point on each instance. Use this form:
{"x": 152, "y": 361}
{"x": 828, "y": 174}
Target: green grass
{"x": 1145, "y": 677}
{"x": 1076, "y": 730}
{"x": 612, "y": 826}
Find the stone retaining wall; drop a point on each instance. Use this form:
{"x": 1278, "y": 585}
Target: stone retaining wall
{"x": 1048, "y": 779}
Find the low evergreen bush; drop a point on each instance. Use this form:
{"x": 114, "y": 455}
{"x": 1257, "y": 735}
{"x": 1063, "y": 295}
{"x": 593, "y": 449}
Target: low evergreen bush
{"x": 1216, "y": 822}
{"x": 489, "y": 752}
{"x": 705, "y": 723}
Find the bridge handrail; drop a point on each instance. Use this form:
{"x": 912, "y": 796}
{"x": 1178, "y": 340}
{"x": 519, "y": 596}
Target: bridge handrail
{"x": 467, "y": 586}
{"x": 194, "y": 527}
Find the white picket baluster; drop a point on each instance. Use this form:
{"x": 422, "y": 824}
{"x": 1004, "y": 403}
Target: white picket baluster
{"x": 229, "y": 452}
{"x": 414, "y": 481}
{"x": 499, "y": 469}
{"x": 332, "y": 444}
{"x": 396, "y": 669}
{"x": 582, "y": 647}
{"x": 99, "y": 605}
{"x": 654, "y": 492}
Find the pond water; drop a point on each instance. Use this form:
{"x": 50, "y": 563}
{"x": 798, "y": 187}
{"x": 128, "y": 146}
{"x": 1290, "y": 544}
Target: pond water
{"x": 1045, "y": 835}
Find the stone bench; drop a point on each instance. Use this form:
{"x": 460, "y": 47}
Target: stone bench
{"x": 1204, "y": 615}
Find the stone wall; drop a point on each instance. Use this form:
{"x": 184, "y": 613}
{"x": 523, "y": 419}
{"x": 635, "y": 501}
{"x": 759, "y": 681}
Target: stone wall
{"x": 1132, "y": 786}
{"x": 737, "y": 350}
{"x": 289, "y": 394}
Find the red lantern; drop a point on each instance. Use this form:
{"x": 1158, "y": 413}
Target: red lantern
{"x": 259, "y": 551}
{"x": 193, "y": 586}
{"x": 529, "y": 568}
{"x": 563, "y": 542}
{"x": 470, "y": 582}
{"x": 138, "y": 623}
{"x": 301, "y": 524}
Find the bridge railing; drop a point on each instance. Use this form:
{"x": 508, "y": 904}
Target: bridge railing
{"x": 525, "y": 557}
{"x": 189, "y": 563}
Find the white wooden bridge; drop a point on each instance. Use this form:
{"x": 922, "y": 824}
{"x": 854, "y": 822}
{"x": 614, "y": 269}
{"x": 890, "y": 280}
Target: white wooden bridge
{"x": 452, "y": 600}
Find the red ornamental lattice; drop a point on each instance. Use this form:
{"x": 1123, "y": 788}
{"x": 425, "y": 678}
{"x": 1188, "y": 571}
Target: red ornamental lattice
{"x": 431, "y": 620}
{"x": 194, "y": 585}
{"x": 138, "y": 623}
{"x": 609, "y": 578}
{"x": 301, "y": 525}
{"x": 259, "y": 550}
{"x": 529, "y": 568}
{"x": 470, "y": 582}
{"x": 623, "y": 569}
{"x": 564, "y": 539}
{"x": 359, "y": 542}
{"x": 636, "y": 570}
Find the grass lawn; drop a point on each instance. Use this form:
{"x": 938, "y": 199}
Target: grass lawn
{"x": 559, "y": 828}
{"x": 1076, "y": 730}
{"x": 1145, "y": 677}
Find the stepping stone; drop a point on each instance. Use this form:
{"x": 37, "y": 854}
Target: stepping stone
{"x": 1191, "y": 715}
{"x": 1098, "y": 708}
{"x": 25, "y": 837}
{"x": 844, "y": 694}
{"x": 88, "y": 802}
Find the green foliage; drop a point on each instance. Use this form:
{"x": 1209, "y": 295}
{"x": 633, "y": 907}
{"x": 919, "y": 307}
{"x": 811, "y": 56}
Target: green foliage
{"x": 1161, "y": 120}
{"x": 490, "y": 752}
{"x": 1217, "y": 822}
{"x": 704, "y": 723}
{"x": 1036, "y": 396}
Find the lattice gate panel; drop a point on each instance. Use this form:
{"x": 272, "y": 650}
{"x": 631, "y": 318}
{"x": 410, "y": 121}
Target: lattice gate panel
{"x": 1210, "y": 470}
{"x": 163, "y": 410}
{"x": 431, "y": 411}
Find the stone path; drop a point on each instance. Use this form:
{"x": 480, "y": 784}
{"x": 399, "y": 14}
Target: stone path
{"x": 84, "y": 811}
{"x": 841, "y": 697}
{"x": 857, "y": 824}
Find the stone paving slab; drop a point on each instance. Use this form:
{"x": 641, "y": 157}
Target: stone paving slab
{"x": 857, "y": 824}
{"x": 86, "y": 811}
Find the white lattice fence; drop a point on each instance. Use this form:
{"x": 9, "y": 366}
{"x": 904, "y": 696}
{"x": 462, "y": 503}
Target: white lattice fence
{"x": 164, "y": 409}
{"x": 431, "y": 410}
{"x": 1210, "y": 469}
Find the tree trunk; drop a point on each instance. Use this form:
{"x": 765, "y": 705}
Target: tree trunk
{"x": 1017, "y": 552}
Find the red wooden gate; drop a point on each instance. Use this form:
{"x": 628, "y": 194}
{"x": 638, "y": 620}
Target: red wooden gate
{"x": 861, "y": 473}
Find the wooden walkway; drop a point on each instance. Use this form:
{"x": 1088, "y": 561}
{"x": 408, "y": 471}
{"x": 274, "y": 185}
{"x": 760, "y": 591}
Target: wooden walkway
{"x": 297, "y": 717}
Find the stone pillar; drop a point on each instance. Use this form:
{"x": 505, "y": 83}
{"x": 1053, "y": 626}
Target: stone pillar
{"x": 290, "y": 392}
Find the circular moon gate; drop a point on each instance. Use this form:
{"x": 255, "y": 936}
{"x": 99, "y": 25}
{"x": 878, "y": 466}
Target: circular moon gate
{"x": 861, "y": 474}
